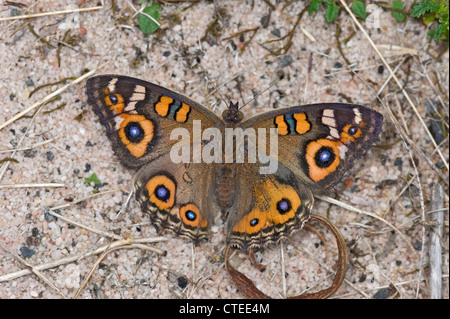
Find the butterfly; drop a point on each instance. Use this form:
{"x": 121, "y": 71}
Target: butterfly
{"x": 194, "y": 166}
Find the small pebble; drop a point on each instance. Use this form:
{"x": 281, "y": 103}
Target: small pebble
{"x": 382, "y": 293}
{"x": 265, "y": 21}
{"x": 285, "y": 61}
{"x": 276, "y": 32}
{"x": 27, "y": 252}
{"x": 50, "y": 156}
{"x": 29, "y": 82}
{"x": 417, "y": 245}
{"x": 30, "y": 153}
{"x": 49, "y": 217}
{"x": 182, "y": 282}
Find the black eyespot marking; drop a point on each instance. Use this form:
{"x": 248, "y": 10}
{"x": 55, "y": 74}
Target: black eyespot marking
{"x": 113, "y": 98}
{"x": 254, "y": 222}
{"x": 190, "y": 215}
{"x": 352, "y": 130}
{"x": 162, "y": 193}
{"x": 324, "y": 157}
{"x": 284, "y": 206}
{"x": 134, "y": 132}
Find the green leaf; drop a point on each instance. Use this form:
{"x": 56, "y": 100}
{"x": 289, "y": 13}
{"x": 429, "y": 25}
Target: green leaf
{"x": 423, "y": 7}
{"x": 93, "y": 179}
{"x": 313, "y": 6}
{"x": 146, "y": 24}
{"x": 359, "y": 9}
{"x": 331, "y": 13}
{"x": 440, "y": 32}
{"x": 399, "y": 16}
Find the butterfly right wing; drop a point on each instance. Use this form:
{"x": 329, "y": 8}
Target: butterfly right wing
{"x": 319, "y": 142}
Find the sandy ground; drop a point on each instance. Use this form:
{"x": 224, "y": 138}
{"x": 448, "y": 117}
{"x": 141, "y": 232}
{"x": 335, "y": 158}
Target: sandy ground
{"x": 68, "y": 144}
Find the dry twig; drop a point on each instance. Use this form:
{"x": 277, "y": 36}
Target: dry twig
{"x": 437, "y": 203}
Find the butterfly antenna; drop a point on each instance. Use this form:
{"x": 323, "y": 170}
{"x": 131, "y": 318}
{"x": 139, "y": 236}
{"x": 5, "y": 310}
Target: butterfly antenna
{"x": 280, "y": 77}
{"x": 197, "y": 59}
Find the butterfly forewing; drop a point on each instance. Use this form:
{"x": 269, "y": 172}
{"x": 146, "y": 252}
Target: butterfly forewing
{"x": 319, "y": 142}
{"x": 140, "y": 116}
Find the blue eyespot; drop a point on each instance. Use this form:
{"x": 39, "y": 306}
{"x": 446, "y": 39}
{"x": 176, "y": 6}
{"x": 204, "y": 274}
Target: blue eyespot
{"x": 190, "y": 215}
{"x": 254, "y": 222}
{"x": 134, "y": 132}
{"x": 162, "y": 193}
{"x": 325, "y": 157}
{"x": 284, "y": 205}
{"x": 113, "y": 99}
{"x": 352, "y": 130}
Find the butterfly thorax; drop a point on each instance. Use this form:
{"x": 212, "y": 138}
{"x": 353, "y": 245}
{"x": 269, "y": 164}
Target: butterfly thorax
{"x": 232, "y": 115}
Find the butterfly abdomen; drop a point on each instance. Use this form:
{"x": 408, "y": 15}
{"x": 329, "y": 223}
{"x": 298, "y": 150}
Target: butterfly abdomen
{"x": 225, "y": 188}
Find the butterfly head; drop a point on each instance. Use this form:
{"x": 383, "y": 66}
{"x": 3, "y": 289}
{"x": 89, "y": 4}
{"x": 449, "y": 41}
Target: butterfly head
{"x": 232, "y": 115}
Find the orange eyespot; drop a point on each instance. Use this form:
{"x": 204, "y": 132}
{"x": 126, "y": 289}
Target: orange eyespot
{"x": 115, "y": 102}
{"x": 284, "y": 202}
{"x": 252, "y": 223}
{"x": 135, "y": 132}
{"x": 161, "y": 192}
{"x": 284, "y": 206}
{"x": 322, "y": 157}
{"x": 350, "y": 133}
{"x": 190, "y": 215}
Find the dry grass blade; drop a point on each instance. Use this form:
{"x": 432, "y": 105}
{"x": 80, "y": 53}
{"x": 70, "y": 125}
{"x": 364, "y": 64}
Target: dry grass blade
{"x": 437, "y": 203}
{"x": 49, "y": 97}
{"x": 411, "y": 103}
{"x": 26, "y": 148}
{"x": 45, "y": 14}
{"x": 6, "y": 186}
{"x": 398, "y": 284}
{"x": 32, "y": 269}
{"x": 75, "y": 258}
{"x": 359, "y": 211}
{"x": 99, "y": 260}
{"x": 85, "y": 198}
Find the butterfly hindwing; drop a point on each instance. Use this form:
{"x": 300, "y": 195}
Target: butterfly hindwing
{"x": 269, "y": 207}
{"x": 170, "y": 194}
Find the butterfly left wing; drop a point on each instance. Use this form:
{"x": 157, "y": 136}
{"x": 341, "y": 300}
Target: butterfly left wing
{"x": 139, "y": 116}
{"x": 319, "y": 142}
{"x": 177, "y": 196}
